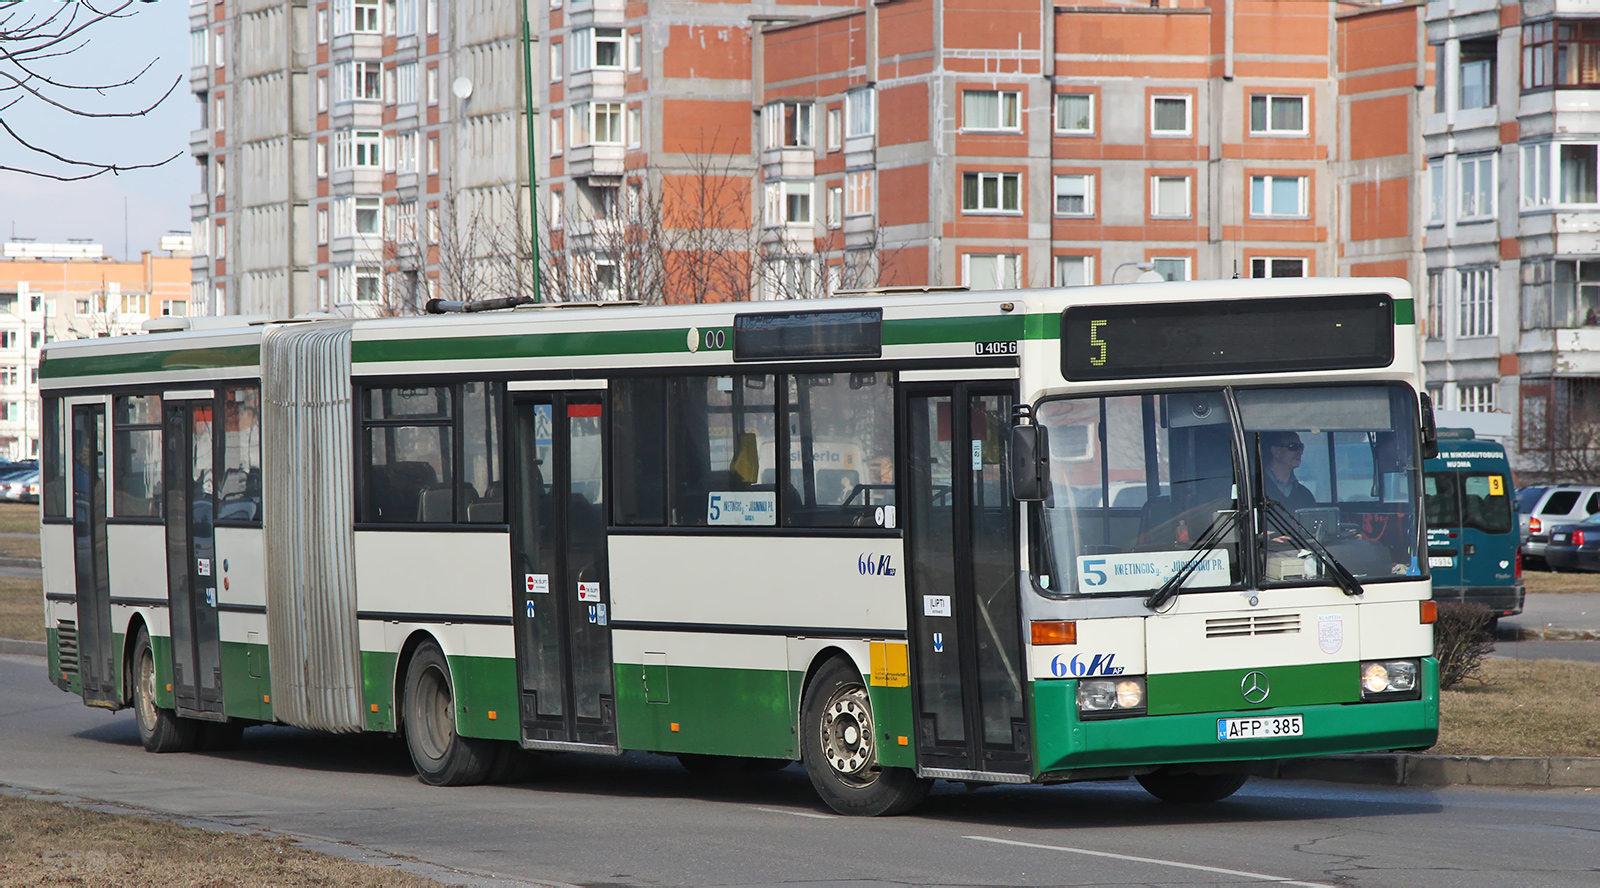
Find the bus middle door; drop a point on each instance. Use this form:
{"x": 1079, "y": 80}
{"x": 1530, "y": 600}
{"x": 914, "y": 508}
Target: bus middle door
{"x": 192, "y": 569}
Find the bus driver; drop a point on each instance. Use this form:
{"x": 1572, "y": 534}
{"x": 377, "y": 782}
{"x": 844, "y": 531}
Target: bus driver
{"x": 1283, "y": 456}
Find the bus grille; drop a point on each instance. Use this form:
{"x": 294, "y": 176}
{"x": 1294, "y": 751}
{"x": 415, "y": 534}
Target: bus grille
{"x": 1266, "y": 624}
{"x": 67, "y": 643}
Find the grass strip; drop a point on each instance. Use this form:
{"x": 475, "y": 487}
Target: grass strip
{"x": 21, "y": 609}
{"x": 1544, "y": 581}
{"x": 1523, "y": 707}
{"x": 19, "y": 518}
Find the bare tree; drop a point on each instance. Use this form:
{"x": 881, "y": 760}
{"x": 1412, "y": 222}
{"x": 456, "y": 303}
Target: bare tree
{"x": 31, "y": 43}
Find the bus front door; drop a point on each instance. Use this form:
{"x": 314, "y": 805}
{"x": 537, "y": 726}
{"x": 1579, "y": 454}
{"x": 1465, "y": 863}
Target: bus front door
{"x": 192, "y": 570}
{"x": 557, "y": 512}
{"x": 966, "y": 636}
{"x": 97, "y": 660}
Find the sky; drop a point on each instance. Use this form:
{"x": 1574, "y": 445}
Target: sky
{"x": 156, "y": 200}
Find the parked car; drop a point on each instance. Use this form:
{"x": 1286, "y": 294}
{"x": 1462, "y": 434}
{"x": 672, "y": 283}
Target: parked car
{"x": 1526, "y": 499}
{"x": 1574, "y": 546}
{"x": 1556, "y": 505}
{"x": 20, "y": 487}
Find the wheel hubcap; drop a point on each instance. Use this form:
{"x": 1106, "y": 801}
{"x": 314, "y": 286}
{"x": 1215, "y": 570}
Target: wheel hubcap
{"x": 146, "y": 704}
{"x": 437, "y": 714}
{"x": 847, "y": 735}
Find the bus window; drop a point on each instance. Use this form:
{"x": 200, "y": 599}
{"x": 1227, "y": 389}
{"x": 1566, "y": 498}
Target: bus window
{"x": 408, "y": 471}
{"x": 136, "y": 457}
{"x": 638, "y": 454}
{"x": 54, "y": 474}
{"x": 718, "y": 424}
{"x": 841, "y": 449}
{"x": 482, "y": 492}
{"x": 1481, "y": 507}
{"x": 240, "y": 492}
{"x": 1439, "y": 499}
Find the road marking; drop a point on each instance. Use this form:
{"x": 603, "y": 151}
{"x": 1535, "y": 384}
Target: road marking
{"x": 1282, "y": 880}
{"x": 798, "y": 813}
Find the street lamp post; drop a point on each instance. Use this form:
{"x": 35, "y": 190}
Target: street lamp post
{"x": 1142, "y": 266}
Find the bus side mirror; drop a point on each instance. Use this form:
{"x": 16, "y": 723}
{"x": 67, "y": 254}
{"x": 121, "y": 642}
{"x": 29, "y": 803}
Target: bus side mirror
{"x": 1430, "y": 429}
{"x": 1030, "y": 462}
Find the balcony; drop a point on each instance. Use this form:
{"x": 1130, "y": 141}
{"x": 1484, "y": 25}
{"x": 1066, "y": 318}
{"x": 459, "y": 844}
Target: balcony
{"x": 596, "y": 160}
{"x": 200, "y": 142}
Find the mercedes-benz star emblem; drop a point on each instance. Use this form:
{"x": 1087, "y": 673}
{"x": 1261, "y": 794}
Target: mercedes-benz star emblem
{"x": 1255, "y": 687}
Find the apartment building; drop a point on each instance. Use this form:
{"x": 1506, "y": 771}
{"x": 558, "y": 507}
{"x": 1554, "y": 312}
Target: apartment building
{"x": 71, "y": 291}
{"x": 1513, "y": 223}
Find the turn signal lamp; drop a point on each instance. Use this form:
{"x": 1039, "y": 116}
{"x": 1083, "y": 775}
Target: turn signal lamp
{"x": 1430, "y": 612}
{"x": 1055, "y": 632}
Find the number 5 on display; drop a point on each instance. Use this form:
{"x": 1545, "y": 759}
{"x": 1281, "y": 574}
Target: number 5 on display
{"x": 1095, "y": 341}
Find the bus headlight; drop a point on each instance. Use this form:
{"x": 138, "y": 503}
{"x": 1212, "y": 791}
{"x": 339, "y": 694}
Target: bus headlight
{"x": 1389, "y": 679}
{"x": 1110, "y": 697}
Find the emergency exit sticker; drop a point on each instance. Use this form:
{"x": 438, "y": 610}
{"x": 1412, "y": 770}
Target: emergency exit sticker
{"x": 539, "y": 583}
{"x": 588, "y": 591}
{"x": 203, "y": 566}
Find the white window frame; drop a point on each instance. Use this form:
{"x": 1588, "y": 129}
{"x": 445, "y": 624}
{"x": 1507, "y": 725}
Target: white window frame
{"x": 1537, "y": 177}
{"x": 611, "y": 113}
{"x": 558, "y": 137}
{"x": 635, "y": 126}
{"x": 835, "y": 129}
{"x": 322, "y": 160}
{"x": 199, "y": 48}
{"x": 1061, "y": 263}
{"x": 322, "y": 92}
{"x": 406, "y": 83}
{"x": 1157, "y": 211}
{"x": 635, "y": 52}
{"x": 1475, "y": 397}
{"x": 557, "y": 209}
{"x": 1436, "y": 295}
{"x": 432, "y": 79}
{"x": 1475, "y": 302}
{"x": 1185, "y": 262}
{"x": 780, "y": 203}
{"x": 1559, "y": 177}
{"x": 1007, "y": 110}
{"x": 1008, "y": 268}
{"x": 365, "y": 205}
{"x": 1475, "y": 203}
{"x": 776, "y": 117}
{"x": 1188, "y": 116}
{"x": 322, "y": 225}
{"x": 999, "y": 180}
{"x": 1060, "y": 114}
{"x": 368, "y": 17}
{"x": 1438, "y": 191}
{"x": 1266, "y": 188}
{"x": 612, "y": 36}
{"x": 1063, "y": 180}
{"x": 1270, "y": 99}
{"x": 555, "y": 61}
{"x": 1267, "y": 264}
{"x": 859, "y": 186}
{"x": 860, "y": 113}
{"x": 835, "y": 206}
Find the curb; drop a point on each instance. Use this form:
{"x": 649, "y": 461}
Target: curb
{"x": 1411, "y": 769}
{"x": 24, "y": 648}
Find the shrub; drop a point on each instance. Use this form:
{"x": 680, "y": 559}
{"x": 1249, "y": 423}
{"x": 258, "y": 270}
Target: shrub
{"x": 1461, "y": 639}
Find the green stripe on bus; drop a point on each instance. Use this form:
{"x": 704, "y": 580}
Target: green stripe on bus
{"x": 715, "y": 711}
{"x": 1218, "y": 691}
{"x": 152, "y": 362}
{"x": 920, "y": 331}
{"x": 526, "y": 345}
{"x": 1404, "y": 312}
{"x": 246, "y": 681}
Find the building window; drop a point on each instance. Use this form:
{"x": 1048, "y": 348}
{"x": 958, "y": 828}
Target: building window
{"x": 174, "y": 308}
{"x": 1278, "y": 195}
{"x": 388, "y": 86}
{"x": 1477, "y": 186}
{"x": 1074, "y": 271}
{"x": 788, "y": 277}
{"x": 606, "y": 123}
{"x": 1577, "y": 174}
{"x": 322, "y": 26}
{"x": 558, "y": 130}
{"x": 789, "y": 203}
{"x": 635, "y": 52}
{"x": 1075, "y": 114}
{"x": 1436, "y": 191}
{"x": 991, "y": 192}
{"x": 835, "y": 208}
{"x": 358, "y": 149}
{"x": 1561, "y": 294}
{"x": 1075, "y": 195}
{"x": 1169, "y": 115}
{"x": 199, "y": 52}
{"x": 433, "y": 155}
{"x": 991, "y": 110}
{"x": 1477, "y": 397}
{"x": 1435, "y": 305}
{"x": 1477, "y": 73}
{"x": 1560, "y": 54}
{"x": 608, "y": 48}
{"x": 557, "y": 210}
{"x": 433, "y": 85}
{"x": 859, "y": 112}
{"x": 221, "y": 105}
{"x": 788, "y": 124}
{"x": 366, "y": 216}
{"x": 1535, "y": 176}
{"x": 835, "y": 128}
{"x": 222, "y": 175}
{"x": 366, "y": 21}
{"x": 322, "y": 225}
{"x": 1169, "y": 196}
{"x": 431, "y": 12}
{"x": 1173, "y": 268}
{"x": 858, "y": 193}
{"x": 1476, "y": 302}
{"x": 993, "y": 271}
{"x": 368, "y": 282}
{"x": 322, "y": 160}
{"x": 1277, "y": 115}
{"x": 322, "y": 92}
{"x": 406, "y": 151}
{"x": 1269, "y": 267}
{"x": 555, "y": 62}
{"x": 635, "y": 126}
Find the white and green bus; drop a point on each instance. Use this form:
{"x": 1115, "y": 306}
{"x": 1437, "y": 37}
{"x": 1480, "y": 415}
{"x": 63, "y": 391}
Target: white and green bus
{"x": 1155, "y": 531}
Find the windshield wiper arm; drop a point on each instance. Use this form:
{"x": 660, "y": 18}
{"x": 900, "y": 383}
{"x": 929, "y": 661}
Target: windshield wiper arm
{"x": 1297, "y": 533}
{"x": 1220, "y": 525}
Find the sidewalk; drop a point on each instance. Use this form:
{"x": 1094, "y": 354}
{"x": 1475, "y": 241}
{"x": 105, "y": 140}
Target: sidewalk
{"x": 1565, "y": 616}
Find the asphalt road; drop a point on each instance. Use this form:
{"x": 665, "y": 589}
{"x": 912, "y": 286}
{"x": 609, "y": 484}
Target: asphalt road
{"x": 642, "y": 820}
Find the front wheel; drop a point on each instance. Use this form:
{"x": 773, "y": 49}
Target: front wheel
{"x": 1191, "y": 788}
{"x": 442, "y": 756}
{"x": 839, "y": 748}
{"x": 160, "y": 730}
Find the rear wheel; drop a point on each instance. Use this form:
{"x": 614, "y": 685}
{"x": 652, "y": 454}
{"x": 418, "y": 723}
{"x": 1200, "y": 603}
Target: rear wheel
{"x": 1191, "y": 788}
{"x": 160, "y": 730}
{"x": 839, "y": 748}
{"x": 442, "y": 757}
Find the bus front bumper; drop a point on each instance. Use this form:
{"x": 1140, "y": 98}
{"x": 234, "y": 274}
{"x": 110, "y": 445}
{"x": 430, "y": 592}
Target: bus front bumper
{"x": 1067, "y": 744}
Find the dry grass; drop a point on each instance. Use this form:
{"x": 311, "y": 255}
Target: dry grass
{"x": 1548, "y": 581}
{"x": 21, "y": 609}
{"x": 1527, "y": 707}
{"x": 19, "y": 547}
{"x": 19, "y": 518}
{"x": 53, "y": 844}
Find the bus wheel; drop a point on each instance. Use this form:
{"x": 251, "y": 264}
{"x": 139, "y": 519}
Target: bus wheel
{"x": 160, "y": 730}
{"x": 839, "y": 752}
{"x": 1191, "y": 788}
{"x": 442, "y": 757}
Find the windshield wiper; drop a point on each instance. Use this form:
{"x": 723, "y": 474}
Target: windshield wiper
{"x": 1297, "y": 533}
{"x": 1219, "y": 527}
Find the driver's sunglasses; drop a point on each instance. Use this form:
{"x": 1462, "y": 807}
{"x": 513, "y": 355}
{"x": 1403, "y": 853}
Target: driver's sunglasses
{"x": 1296, "y": 447}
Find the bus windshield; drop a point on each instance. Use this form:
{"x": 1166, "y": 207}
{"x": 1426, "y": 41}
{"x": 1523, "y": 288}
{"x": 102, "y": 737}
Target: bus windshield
{"x": 1138, "y": 480}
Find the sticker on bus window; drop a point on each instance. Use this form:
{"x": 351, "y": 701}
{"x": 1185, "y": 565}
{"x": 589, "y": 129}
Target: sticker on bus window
{"x": 1143, "y": 571}
{"x": 588, "y": 591}
{"x": 537, "y": 583}
{"x": 1497, "y": 485}
{"x": 731, "y": 508}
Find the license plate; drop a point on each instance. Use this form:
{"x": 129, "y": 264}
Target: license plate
{"x": 1441, "y": 561}
{"x": 1255, "y": 728}
{"x": 1558, "y": 538}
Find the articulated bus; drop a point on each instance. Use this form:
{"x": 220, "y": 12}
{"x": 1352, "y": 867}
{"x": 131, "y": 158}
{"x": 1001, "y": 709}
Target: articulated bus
{"x": 1160, "y": 531}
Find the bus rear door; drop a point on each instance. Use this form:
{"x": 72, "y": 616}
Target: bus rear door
{"x": 192, "y": 568}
